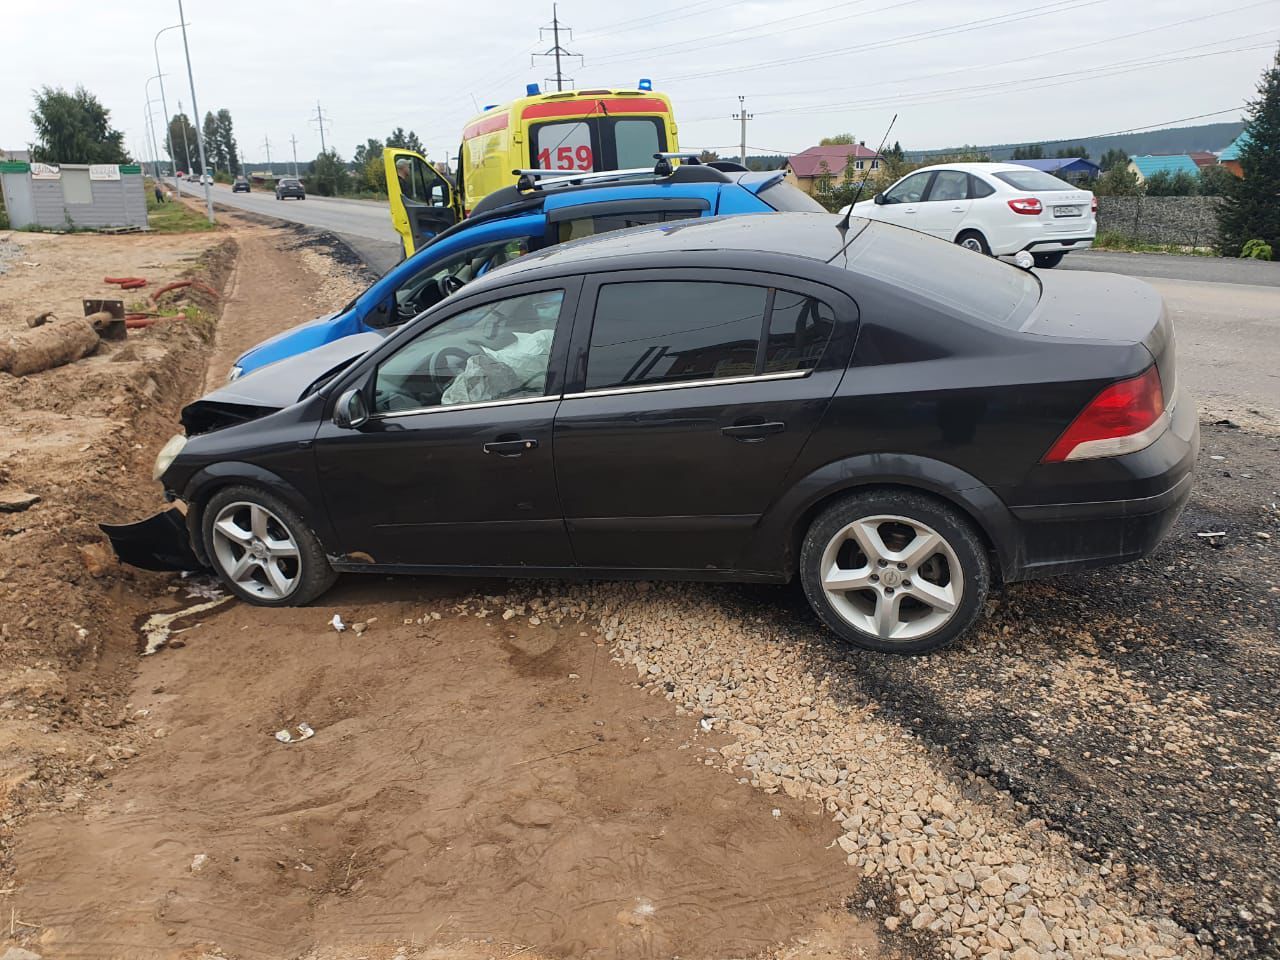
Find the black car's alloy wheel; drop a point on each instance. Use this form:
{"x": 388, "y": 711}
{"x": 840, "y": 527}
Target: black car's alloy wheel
{"x": 262, "y": 550}
{"x": 894, "y": 571}
{"x": 1047, "y": 261}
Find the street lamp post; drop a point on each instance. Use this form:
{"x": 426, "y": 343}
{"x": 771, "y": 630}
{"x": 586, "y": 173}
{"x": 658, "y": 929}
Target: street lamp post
{"x": 195, "y": 108}
{"x": 168, "y": 130}
{"x": 151, "y": 125}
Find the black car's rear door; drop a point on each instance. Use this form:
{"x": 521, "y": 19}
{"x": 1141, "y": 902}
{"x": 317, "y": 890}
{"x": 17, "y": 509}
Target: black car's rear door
{"x": 454, "y": 466}
{"x": 689, "y": 394}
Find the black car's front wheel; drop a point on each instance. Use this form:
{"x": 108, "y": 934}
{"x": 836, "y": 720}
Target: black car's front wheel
{"x": 894, "y": 571}
{"x": 262, "y": 550}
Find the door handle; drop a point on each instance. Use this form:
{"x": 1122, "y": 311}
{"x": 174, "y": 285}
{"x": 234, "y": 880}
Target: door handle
{"x": 510, "y": 448}
{"x": 957, "y": 209}
{"x": 753, "y": 432}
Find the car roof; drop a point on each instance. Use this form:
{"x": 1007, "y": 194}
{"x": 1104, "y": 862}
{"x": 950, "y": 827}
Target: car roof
{"x": 975, "y": 167}
{"x": 810, "y": 236}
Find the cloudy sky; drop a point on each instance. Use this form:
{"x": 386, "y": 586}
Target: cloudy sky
{"x": 956, "y": 71}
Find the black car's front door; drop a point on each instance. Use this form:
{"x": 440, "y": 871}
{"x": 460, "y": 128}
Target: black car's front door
{"x": 688, "y": 401}
{"x": 454, "y": 465}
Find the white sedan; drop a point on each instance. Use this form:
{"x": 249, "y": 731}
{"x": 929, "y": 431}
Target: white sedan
{"x": 994, "y": 208}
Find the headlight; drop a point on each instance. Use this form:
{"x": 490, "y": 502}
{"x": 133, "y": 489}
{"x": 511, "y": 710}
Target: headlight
{"x": 234, "y": 373}
{"x": 168, "y": 453}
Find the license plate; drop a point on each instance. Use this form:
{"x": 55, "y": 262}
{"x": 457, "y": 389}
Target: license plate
{"x": 1067, "y": 211}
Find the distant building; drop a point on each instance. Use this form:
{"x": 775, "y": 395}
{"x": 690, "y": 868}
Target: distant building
{"x": 811, "y": 168}
{"x": 1203, "y": 158}
{"x": 1144, "y": 167}
{"x": 1063, "y": 166}
{"x": 1230, "y": 157}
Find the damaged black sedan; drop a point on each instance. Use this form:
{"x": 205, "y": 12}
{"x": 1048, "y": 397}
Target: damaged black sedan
{"x": 894, "y": 419}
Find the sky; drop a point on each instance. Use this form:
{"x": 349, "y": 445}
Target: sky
{"x": 955, "y": 71}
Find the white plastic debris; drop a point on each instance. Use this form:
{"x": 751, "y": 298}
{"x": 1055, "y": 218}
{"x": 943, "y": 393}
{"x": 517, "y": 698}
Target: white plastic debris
{"x": 337, "y": 623}
{"x": 706, "y": 723}
{"x": 304, "y": 733}
{"x": 156, "y": 628}
{"x": 198, "y": 862}
{"x": 1212, "y": 533}
{"x": 776, "y": 813}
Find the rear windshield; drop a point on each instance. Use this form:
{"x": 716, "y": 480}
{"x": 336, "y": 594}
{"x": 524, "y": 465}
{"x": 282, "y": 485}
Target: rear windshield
{"x": 1033, "y": 180}
{"x": 961, "y": 281}
{"x": 786, "y": 198}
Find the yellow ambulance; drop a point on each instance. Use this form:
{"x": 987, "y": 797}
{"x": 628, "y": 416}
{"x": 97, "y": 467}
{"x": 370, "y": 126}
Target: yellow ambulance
{"x": 572, "y": 131}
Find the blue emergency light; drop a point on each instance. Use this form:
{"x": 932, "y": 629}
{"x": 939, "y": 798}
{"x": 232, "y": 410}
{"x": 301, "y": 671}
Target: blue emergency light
{"x": 646, "y": 83}
{"x": 531, "y": 89}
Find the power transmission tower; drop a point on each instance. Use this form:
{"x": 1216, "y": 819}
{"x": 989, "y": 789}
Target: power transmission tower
{"x": 266, "y": 142}
{"x": 744, "y": 117}
{"x": 556, "y": 50}
{"x": 320, "y": 120}
{"x": 294, "y": 141}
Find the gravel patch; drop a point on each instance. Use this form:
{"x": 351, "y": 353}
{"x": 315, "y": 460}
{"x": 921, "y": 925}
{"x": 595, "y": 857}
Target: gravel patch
{"x": 959, "y": 863}
{"x": 9, "y": 251}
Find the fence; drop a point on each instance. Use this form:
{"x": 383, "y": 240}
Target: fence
{"x": 1188, "y": 221}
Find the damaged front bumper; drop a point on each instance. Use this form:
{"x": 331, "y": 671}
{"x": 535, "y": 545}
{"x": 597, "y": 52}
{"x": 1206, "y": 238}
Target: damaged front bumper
{"x": 160, "y": 542}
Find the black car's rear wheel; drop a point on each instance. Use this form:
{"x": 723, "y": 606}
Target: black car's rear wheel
{"x": 1047, "y": 261}
{"x": 894, "y": 571}
{"x": 262, "y": 550}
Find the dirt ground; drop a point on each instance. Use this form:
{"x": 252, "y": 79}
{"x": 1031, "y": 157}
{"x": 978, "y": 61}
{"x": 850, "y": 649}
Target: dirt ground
{"x": 475, "y": 787}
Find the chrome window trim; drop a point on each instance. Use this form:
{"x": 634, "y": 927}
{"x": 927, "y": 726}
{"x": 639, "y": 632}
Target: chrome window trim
{"x": 478, "y": 405}
{"x": 686, "y": 384}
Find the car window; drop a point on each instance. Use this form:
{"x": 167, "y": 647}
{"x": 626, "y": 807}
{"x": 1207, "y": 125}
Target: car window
{"x": 424, "y": 289}
{"x": 563, "y": 146}
{"x": 499, "y": 351}
{"x": 979, "y": 188}
{"x": 788, "y": 199}
{"x": 1034, "y": 180}
{"x": 799, "y": 328}
{"x": 909, "y": 190}
{"x": 636, "y": 141}
{"x": 591, "y": 226}
{"x": 949, "y": 185}
{"x": 672, "y": 331}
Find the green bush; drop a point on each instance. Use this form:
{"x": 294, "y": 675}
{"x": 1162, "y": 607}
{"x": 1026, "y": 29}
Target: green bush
{"x": 222, "y": 176}
{"x": 1256, "y": 250}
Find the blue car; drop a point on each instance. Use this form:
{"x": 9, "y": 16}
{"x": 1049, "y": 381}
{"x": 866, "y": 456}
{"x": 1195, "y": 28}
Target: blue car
{"x": 535, "y": 215}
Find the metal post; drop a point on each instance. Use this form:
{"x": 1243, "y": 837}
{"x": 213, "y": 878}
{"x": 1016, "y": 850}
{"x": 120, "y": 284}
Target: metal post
{"x": 744, "y": 117}
{"x": 186, "y": 147}
{"x": 195, "y": 108}
{"x": 294, "y": 141}
{"x": 151, "y": 125}
{"x": 168, "y": 127}
{"x": 555, "y": 33}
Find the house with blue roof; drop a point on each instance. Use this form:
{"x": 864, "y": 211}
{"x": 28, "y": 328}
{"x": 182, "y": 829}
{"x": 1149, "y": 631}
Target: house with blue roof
{"x": 1230, "y": 157}
{"x": 1144, "y": 167}
{"x": 1063, "y": 166}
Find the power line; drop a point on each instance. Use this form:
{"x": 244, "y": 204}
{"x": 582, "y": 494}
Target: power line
{"x": 664, "y": 16}
{"x": 320, "y": 119}
{"x": 556, "y": 50}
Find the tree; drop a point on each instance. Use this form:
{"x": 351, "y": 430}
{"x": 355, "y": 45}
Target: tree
{"x": 370, "y": 174}
{"x": 1119, "y": 181}
{"x": 370, "y": 149}
{"x": 1113, "y": 158}
{"x": 228, "y": 153}
{"x": 74, "y": 128}
{"x": 1032, "y": 152}
{"x": 405, "y": 141}
{"x": 1251, "y": 211}
{"x": 708, "y": 156}
{"x": 182, "y": 141}
{"x": 1162, "y": 183}
{"x": 1216, "y": 181}
{"x": 895, "y": 152}
{"x": 212, "y": 147}
{"x": 840, "y": 139}
{"x": 1066, "y": 153}
{"x": 327, "y": 174}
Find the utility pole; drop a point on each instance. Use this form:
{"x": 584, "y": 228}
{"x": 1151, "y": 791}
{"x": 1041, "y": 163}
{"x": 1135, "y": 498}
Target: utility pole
{"x": 266, "y": 142}
{"x": 556, "y": 50}
{"x": 744, "y": 117}
{"x": 321, "y": 120}
{"x": 195, "y": 108}
{"x": 294, "y": 142}
{"x": 186, "y": 147}
{"x": 168, "y": 128}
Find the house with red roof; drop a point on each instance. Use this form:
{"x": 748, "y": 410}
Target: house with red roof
{"x": 819, "y": 169}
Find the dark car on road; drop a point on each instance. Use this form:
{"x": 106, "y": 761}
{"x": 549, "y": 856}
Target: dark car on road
{"x": 241, "y": 185}
{"x": 892, "y": 418}
{"x": 289, "y": 187}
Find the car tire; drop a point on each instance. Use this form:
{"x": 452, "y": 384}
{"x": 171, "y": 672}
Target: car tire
{"x": 262, "y": 550}
{"x": 939, "y": 593}
{"x": 1047, "y": 261}
{"x": 973, "y": 240}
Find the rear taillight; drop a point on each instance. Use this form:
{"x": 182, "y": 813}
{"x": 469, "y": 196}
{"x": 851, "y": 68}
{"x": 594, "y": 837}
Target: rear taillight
{"x": 1124, "y": 418}
{"x": 1028, "y": 205}
{"x": 1093, "y": 204}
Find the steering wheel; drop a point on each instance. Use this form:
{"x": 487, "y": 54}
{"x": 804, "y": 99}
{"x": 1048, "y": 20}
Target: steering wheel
{"x": 448, "y": 363}
{"x": 449, "y": 284}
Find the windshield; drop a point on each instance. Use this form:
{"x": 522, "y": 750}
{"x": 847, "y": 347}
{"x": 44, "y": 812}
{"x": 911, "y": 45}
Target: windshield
{"x": 1033, "y": 180}
{"x": 784, "y": 197}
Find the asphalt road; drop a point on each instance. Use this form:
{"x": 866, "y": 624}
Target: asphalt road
{"x": 1169, "y": 267}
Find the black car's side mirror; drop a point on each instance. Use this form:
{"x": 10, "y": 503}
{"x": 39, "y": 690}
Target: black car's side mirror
{"x": 349, "y": 412}
{"x": 879, "y": 200}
